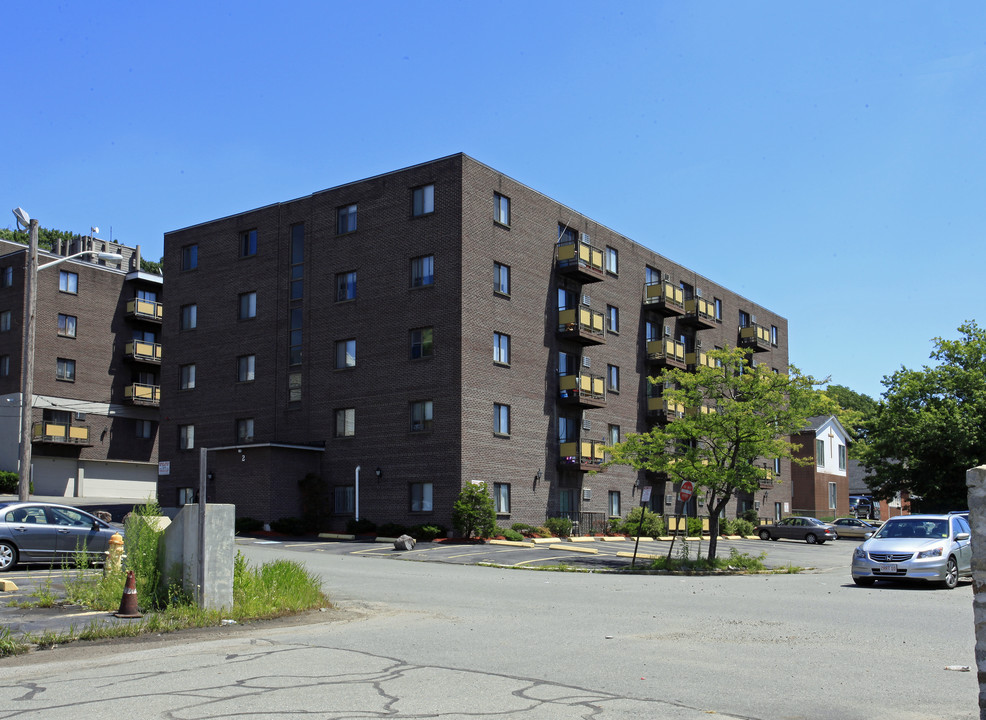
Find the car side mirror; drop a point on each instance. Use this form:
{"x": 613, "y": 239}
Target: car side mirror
{"x": 95, "y": 525}
{"x": 867, "y": 536}
{"x": 962, "y": 536}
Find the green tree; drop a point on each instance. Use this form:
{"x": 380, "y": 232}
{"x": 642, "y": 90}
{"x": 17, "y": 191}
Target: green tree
{"x": 737, "y": 418}
{"x": 473, "y": 511}
{"x": 930, "y": 426}
{"x": 856, "y": 410}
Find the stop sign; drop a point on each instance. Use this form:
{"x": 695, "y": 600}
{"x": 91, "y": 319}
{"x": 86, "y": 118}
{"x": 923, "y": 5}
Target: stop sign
{"x": 685, "y": 494}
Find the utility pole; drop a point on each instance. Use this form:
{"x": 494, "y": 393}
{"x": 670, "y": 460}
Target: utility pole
{"x": 27, "y": 362}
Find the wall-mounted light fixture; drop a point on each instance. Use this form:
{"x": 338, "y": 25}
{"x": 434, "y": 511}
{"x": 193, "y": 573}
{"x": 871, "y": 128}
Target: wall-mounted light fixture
{"x": 379, "y": 474}
{"x": 537, "y": 476}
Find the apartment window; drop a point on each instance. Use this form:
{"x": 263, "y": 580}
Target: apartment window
{"x": 346, "y": 219}
{"x": 567, "y": 501}
{"x": 189, "y": 317}
{"x": 421, "y": 497}
{"x": 421, "y": 415}
{"x": 244, "y": 430}
{"x": 186, "y": 437}
{"x": 5, "y": 321}
{"x": 294, "y": 387}
{"x": 7, "y": 276}
{"x": 501, "y": 498}
{"x": 651, "y": 275}
{"x": 613, "y": 434}
{"x": 68, "y": 282}
{"x": 501, "y": 209}
{"x": 145, "y": 429}
{"x": 612, "y": 261}
{"x": 248, "y": 243}
{"x": 422, "y": 344}
{"x": 66, "y": 325}
{"x": 612, "y": 319}
{"x": 294, "y": 336}
{"x": 833, "y": 496}
{"x": 501, "y": 279}
{"x": 568, "y": 364}
{"x": 568, "y": 430}
{"x": 65, "y": 370}
{"x": 345, "y": 354}
{"x": 4, "y": 365}
{"x": 423, "y": 271}
{"x": 773, "y": 335}
{"x": 717, "y": 309}
{"x": 613, "y": 378}
{"x": 744, "y": 319}
{"x": 501, "y": 348}
{"x": 820, "y": 453}
{"x": 345, "y": 422}
{"x": 423, "y": 200}
{"x": 248, "y": 306}
{"x": 297, "y": 261}
{"x": 346, "y": 286}
{"x": 501, "y": 419}
{"x": 842, "y": 457}
{"x": 186, "y": 374}
{"x": 614, "y": 504}
{"x": 246, "y": 368}
{"x": 186, "y": 496}
{"x": 777, "y": 466}
{"x": 345, "y": 500}
{"x": 189, "y": 257}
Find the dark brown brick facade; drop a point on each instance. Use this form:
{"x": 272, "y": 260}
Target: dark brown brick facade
{"x": 460, "y": 378}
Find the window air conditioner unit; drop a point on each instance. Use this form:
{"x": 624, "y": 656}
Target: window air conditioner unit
{"x": 586, "y": 300}
{"x": 753, "y": 319}
{"x": 698, "y": 292}
{"x": 80, "y": 416}
{"x": 669, "y": 499}
{"x": 667, "y": 277}
{"x": 584, "y": 237}
{"x": 586, "y": 362}
{"x": 667, "y": 331}
{"x": 587, "y": 493}
{"x": 587, "y": 424}
{"x": 756, "y": 504}
{"x": 698, "y": 344}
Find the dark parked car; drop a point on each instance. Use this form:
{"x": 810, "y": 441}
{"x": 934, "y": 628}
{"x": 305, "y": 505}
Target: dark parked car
{"x": 811, "y": 530}
{"x": 34, "y": 532}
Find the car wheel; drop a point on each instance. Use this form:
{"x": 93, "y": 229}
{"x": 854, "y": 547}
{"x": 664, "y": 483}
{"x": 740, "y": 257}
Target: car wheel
{"x": 951, "y": 574}
{"x": 864, "y": 581}
{"x": 8, "y": 556}
{"x": 764, "y": 535}
{"x": 811, "y": 538}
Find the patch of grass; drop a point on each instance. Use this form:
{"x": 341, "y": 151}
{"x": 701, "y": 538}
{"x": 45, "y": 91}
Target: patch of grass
{"x": 9, "y": 645}
{"x": 272, "y": 590}
{"x": 43, "y": 595}
{"x": 736, "y": 561}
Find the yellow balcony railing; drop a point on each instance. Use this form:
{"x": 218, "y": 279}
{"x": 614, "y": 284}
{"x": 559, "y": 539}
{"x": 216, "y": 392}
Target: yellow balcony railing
{"x": 754, "y": 336}
{"x": 583, "y": 386}
{"x": 580, "y": 255}
{"x": 665, "y": 294}
{"x": 147, "y": 309}
{"x": 581, "y": 453}
{"x": 582, "y": 319}
{"x": 144, "y": 394}
{"x": 140, "y": 350}
{"x": 60, "y": 433}
{"x": 666, "y": 350}
{"x": 700, "y": 309}
{"x": 699, "y": 358}
{"x": 660, "y": 406}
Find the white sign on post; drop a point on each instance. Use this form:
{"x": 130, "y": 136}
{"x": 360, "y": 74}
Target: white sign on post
{"x": 645, "y": 494}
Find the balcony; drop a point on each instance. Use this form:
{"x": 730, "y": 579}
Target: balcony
{"x": 583, "y": 390}
{"x": 60, "y": 434}
{"x": 755, "y": 337}
{"x": 583, "y": 325}
{"x": 141, "y": 394}
{"x": 666, "y": 353}
{"x": 699, "y": 313}
{"x": 582, "y": 455}
{"x": 700, "y": 410}
{"x": 664, "y": 411}
{"x": 145, "y": 310}
{"x": 140, "y": 351}
{"x": 580, "y": 261}
{"x": 695, "y": 360}
{"x": 664, "y": 297}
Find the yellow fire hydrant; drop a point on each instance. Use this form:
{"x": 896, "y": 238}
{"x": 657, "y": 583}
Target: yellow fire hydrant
{"x": 114, "y": 556}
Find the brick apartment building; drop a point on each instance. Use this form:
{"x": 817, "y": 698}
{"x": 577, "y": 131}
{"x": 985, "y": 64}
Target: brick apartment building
{"x": 433, "y": 326}
{"x": 96, "y": 361}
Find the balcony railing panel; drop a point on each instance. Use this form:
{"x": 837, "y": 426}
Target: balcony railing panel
{"x": 755, "y": 337}
{"x": 583, "y": 388}
{"x": 581, "y": 260}
{"x": 140, "y": 393}
{"x": 582, "y": 324}
{"x": 581, "y": 454}
{"x": 700, "y": 312}
{"x": 146, "y": 351}
{"x": 666, "y": 352}
{"x": 145, "y": 309}
{"x": 60, "y": 433}
{"x": 663, "y": 296}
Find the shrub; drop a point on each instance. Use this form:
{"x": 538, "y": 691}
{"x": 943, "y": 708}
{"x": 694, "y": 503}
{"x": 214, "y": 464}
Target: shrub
{"x": 140, "y": 544}
{"x": 391, "y": 530}
{"x": 9, "y": 482}
{"x": 473, "y": 511}
{"x": 291, "y": 526}
{"x": 427, "y": 533}
{"x": 694, "y": 527}
{"x": 521, "y": 528}
{"x": 653, "y": 524}
{"x": 541, "y": 532}
{"x": 360, "y": 527}
{"x": 513, "y": 535}
{"x": 248, "y": 525}
{"x": 742, "y": 526}
{"x": 750, "y": 515}
{"x": 559, "y": 527}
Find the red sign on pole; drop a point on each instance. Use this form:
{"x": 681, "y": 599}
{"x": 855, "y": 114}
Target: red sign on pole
{"x": 685, "y": 494}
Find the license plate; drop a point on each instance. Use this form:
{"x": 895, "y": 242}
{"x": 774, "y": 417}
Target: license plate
{"x": 888, "y": 568}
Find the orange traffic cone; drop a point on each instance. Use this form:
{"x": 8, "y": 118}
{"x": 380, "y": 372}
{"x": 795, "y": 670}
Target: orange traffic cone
{"x": 128, "y": 603}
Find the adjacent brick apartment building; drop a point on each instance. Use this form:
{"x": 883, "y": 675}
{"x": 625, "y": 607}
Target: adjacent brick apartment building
{"x": 820, "y": 488}
{"x": 96, "y": 361}
{"x": 426, "y": 328}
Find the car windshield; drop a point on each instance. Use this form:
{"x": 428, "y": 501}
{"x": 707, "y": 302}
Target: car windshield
{"x": 914, "y": 528}
{"x": 815, "y": 521}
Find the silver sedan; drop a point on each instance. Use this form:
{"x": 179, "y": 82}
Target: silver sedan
{"x": 851, "y": 527}
{"x": 35, "y": 532}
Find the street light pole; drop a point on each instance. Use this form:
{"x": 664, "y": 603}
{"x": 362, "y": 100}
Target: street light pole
{"x": 27, "y": 362}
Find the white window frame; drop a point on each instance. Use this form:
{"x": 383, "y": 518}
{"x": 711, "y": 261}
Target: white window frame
{"x": 501, "y": 419}
{"x": 501, "y": 348}
{"x": 68, "y": 282}
{"x": 501, "y": 498}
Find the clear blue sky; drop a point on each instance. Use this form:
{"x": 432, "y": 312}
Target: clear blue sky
{"x": 824, "y": 159}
